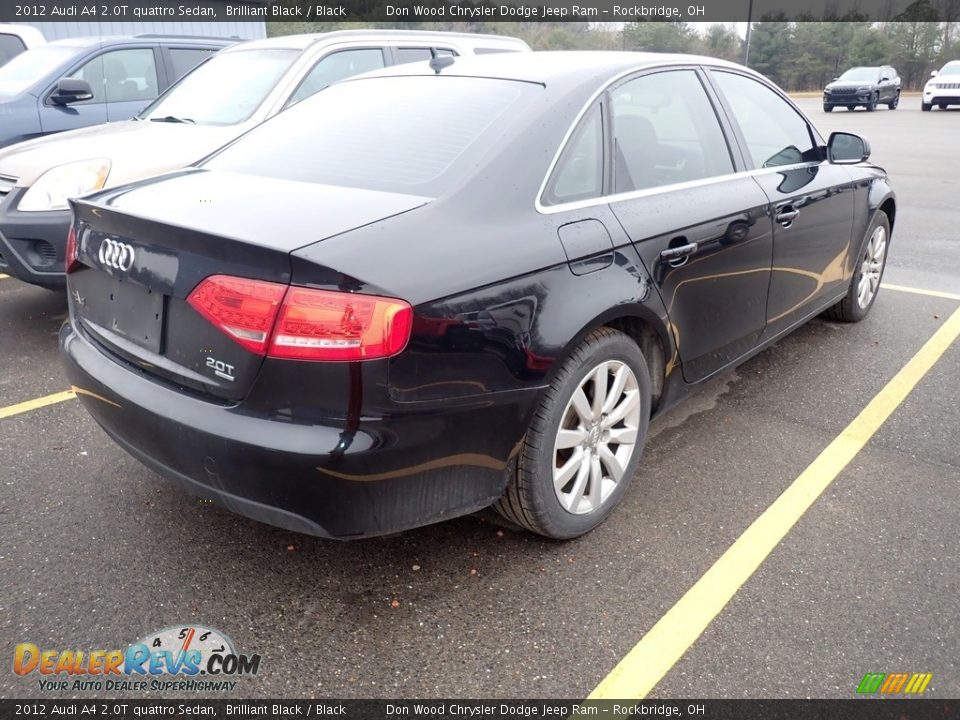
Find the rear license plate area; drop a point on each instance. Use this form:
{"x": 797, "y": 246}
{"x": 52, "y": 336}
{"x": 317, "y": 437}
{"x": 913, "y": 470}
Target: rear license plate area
{"x": 128, "y": 309}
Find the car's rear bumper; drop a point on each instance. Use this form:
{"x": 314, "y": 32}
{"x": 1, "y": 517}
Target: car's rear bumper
{"x": 33, "y": 245}
{"x": 385, "y": 475}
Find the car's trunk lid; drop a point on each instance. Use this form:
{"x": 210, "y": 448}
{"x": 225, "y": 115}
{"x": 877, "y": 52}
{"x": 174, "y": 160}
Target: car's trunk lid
{"x": 144, "y": 249}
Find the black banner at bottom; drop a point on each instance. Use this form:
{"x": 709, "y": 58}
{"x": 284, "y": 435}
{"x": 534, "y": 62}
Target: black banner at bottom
{"x": 854, "y": 709}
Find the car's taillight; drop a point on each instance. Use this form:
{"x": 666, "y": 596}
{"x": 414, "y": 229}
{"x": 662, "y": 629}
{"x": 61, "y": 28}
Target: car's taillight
{"x": 326, "y": 325}
{"x": 301, "y": 323}
{"x": 243, "y": 309}
{"x": 70, "y": 255}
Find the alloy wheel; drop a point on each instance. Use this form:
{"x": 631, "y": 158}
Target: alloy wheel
{"x": 871, "y": 267}
{"x": 597, "y": 437}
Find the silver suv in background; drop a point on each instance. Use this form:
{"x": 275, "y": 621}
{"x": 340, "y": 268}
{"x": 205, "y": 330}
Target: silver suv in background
{"x": 222, "y": 98}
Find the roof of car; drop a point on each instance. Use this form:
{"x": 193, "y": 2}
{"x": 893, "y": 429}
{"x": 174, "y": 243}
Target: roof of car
{"x": 548, "y": 67}
{"x": 301, "y": 42}
{"x": 81, "y": 42}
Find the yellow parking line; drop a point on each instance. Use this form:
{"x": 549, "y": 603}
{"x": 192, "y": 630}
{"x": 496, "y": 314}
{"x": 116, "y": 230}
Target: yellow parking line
{"x": 921, "y": 291}
{"x": 36, "y": 403}
{"x": 667, "y": 641}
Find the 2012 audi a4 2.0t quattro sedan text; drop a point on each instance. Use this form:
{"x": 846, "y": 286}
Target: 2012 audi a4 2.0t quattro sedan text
{"x": 438, "y": 288}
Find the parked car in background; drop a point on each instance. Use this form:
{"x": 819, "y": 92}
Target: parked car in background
{"x": 943, "y": 87}
{"x": 443, "y": 286}
{"x": 223, "y": 98}
{"x": 68, "y": 84}
{"x": 865, "y": 87}
{"x": 15, "y": 39}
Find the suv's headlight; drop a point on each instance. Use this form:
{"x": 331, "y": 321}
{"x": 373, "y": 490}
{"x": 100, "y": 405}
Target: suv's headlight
{"x": 52, "y": 189}
{"x": 863, "y": 89}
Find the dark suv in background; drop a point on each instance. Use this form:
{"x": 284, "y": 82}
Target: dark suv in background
{"x": 866, "y": 86}
{"x": 70, "y": 84}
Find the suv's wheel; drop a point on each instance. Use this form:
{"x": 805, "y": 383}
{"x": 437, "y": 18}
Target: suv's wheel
{"x": 585, "y": 440}
{"x": 828, "y": 108}
{"x": 926, "y": 107}
{"x": 874, "y": 99}
{"x": 851, "y": 107}
{"x": 867, "y": 275}
{"x": 942, "y": 106}
{"x": 895, "y": 102}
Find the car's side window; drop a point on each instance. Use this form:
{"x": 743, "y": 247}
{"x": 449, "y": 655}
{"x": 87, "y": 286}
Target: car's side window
{"x": 121, "y": 75}
{"x": 186, "y": 59}
{"x": 774, "y": 132}
{"x": 665, "y": 131}
{"x": 337, "y": 66}
{"x": 579, "y": 173}
{"x": 10, "y": 46}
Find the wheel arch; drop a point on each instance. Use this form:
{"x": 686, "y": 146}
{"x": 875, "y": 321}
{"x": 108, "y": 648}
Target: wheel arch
{"x": 644, "y": 327}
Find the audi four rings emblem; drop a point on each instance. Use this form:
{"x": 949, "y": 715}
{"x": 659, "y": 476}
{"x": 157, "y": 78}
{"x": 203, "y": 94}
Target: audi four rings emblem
{"x": 116, "y": 255}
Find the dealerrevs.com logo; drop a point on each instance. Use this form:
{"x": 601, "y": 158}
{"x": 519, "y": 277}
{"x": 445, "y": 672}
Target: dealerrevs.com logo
{"x": 180, "y": 658}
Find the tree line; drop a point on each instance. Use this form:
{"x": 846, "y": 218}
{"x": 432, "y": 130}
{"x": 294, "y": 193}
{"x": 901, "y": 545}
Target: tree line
{"x": 797, "y": 55}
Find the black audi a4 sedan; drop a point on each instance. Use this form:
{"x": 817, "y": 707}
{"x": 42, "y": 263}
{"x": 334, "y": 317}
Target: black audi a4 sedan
{"x": 439, "y": 288}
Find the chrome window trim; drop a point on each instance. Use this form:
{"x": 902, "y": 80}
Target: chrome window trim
{"x": 647, "y": 192}
{"x": 673, "y": 187}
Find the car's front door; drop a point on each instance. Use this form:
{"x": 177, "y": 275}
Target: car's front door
{"x": 700, "y": 227}
{"x": 811, "y": 200}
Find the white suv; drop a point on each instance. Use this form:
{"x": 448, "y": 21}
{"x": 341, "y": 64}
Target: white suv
{"x": 14, "y": 39}
{"x": 943, "y": 87}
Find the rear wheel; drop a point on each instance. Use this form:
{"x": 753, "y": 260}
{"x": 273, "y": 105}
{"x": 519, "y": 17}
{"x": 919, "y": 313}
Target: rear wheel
{"x": 926, "y": 107}
{"x": 585, "y": 440}
{"x": 865, "y": 283}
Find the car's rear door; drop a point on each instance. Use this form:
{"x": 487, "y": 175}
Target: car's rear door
{"x": 811, "y": 200}
{"x": 699, "y": 224}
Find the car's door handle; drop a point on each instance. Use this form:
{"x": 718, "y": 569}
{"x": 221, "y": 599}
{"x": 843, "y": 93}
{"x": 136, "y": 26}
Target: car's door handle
{"x": 672, "y": 255}
{"x": 785, "y": 216}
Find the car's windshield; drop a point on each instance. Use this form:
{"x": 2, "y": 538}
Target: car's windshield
{"x": 862, "y": 74}
{"x": 28, "y": 67}
{"x": 952, "y": 69}
{"x": 226, "y": 89}
{"x": 398, "y": 134}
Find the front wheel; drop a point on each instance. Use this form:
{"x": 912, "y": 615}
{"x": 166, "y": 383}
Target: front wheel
{"x": 828, "y": 108}
{"x": 926, "y": 107}
{"x": 585, "y": 441}
{"x": 872, "y": 105}
{"x": 895, "y": 102}
{"x": 865, "y": 283}
{"x": 851, "y": 107}
{"x": 942, "y": 106}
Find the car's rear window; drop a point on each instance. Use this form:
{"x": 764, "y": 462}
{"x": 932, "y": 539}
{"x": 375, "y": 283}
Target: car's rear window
{"x": 398, "y": 134}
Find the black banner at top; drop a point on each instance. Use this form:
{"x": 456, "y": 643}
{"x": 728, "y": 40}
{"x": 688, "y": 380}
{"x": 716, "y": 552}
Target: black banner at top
{"x": 617, "y": 11}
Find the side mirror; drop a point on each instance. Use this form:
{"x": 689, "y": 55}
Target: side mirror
{"x": 847, "y": 149}
{"x": 884, "y": 79}
{"x": 71, "y": 90}
{"x": 934, "y": 73}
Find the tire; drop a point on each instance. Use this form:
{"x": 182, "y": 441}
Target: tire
{"x": 590, "y": 489}
{"x": 853, "y": 307}
{"x": 851, "y": 107}
{"x": 828, "y": 108}
{"x": 895, "y": 102}
{"x": 942, "y": 106}
{"x": 926, "y": 107}
{"x": 872, "y": 105}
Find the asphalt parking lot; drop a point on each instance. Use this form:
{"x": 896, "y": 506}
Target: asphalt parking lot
{"x": 96, "y": 552}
